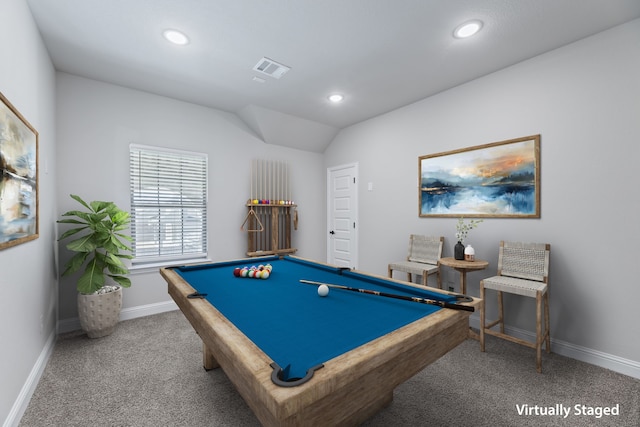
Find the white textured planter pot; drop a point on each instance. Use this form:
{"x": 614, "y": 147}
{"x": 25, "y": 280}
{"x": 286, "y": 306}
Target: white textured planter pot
{"x": 99, "y": 313}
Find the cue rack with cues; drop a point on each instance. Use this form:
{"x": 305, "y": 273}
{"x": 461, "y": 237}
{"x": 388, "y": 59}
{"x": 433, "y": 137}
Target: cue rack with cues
{"x": 271, "y": 211}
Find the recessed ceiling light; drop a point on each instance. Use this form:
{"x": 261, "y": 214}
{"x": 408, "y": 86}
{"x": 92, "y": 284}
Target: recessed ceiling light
{"x": 176, "y": 37}
{"x": 467, "y": 29}
{"x": 336, "y": 97}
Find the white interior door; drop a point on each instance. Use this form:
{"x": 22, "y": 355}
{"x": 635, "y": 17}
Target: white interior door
{"x": 342, "y": 215}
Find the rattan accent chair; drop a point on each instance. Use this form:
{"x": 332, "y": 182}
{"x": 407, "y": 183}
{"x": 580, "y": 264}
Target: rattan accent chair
{"x": 424, "y": 253}
{"x": 523, "y": 269}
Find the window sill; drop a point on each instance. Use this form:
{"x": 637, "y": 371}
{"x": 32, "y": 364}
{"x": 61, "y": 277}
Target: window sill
{"x": 154, "y": 267}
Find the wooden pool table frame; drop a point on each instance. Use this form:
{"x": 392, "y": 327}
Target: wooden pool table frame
{"x": 348, "y": 390}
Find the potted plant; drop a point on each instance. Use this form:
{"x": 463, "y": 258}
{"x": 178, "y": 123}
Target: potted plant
{"x": 98, "y": 243}
{"x": 462, "y": 230}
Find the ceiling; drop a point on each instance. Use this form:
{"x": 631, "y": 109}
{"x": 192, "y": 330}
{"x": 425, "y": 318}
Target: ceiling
{"x": 380, "y": 54}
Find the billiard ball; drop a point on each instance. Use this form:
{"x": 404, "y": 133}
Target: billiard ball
{"x": 244, "y": 272}
{"x": 264, "y": 274}
{"x": 323, "y": 290}
{"x": 236, "y": 272}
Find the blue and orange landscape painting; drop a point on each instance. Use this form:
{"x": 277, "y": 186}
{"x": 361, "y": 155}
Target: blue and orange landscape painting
{"x": 18, "y": 178}
{"x": 492, "y": 180}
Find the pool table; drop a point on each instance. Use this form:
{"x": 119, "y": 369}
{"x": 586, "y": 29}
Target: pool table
{"x": 301, "y": 359}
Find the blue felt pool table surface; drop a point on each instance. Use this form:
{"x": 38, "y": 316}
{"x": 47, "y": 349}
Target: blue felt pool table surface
{"x": 291, "y": 323}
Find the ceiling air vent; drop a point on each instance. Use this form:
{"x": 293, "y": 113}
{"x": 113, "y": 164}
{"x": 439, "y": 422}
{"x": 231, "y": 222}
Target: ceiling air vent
{"x": 271, "y": 68}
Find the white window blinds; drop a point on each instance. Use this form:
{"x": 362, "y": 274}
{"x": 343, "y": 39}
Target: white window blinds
{"x": 168, "y": 204}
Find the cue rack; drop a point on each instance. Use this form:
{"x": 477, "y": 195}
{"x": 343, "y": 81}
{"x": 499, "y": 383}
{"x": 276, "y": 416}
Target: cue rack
{"x": 271, "y": 211}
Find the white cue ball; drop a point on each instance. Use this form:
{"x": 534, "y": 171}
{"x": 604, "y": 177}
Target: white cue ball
{"x": 323, "y": 290}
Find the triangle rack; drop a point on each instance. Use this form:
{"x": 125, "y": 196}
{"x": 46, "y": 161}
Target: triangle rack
{"x": 247, "y": 222}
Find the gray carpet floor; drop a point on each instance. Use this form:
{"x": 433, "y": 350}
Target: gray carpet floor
{"x": 149, "y": 373}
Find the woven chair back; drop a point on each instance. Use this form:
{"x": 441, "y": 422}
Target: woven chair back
{"x": 524, "y": 260}
{"x": 425, "y": 249}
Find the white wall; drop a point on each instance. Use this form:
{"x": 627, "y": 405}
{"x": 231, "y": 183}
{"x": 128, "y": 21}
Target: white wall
{"x": 584, "y": 100}
{"x": 97, "y": 122}
{"x": 28, "y": 286}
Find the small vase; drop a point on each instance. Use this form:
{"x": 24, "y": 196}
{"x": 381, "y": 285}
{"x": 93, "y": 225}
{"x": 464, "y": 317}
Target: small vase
{"x": 458, "y": 251}
{"x": 469, "y": 253}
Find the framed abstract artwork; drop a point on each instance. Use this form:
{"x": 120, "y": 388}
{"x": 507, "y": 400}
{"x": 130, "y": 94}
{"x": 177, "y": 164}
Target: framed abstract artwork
{"x": 500, "y": 179}
{"x": 18, "y": 177}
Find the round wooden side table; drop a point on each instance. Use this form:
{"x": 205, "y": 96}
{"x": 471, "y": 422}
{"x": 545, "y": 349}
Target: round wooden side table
{"x": 464, "y": 266}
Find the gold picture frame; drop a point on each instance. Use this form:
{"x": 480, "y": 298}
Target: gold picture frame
{"x": 496, "y": 180}
{"x": 19, "y": 195}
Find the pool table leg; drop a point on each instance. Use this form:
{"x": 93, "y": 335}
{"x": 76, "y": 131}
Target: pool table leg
{"x": 373, "y": 408}
{"x": 209, "y": 362}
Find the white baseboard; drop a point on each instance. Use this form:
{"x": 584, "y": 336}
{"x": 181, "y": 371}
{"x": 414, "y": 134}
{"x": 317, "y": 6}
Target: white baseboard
{"x": 73, "y": 324}
{"x": 147, "y": 310}
{"x": 604, "y": 360}
{"x": 29, "y": 387}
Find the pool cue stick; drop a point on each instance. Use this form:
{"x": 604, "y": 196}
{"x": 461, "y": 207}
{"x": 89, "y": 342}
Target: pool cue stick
{"x": 396, "y": 296}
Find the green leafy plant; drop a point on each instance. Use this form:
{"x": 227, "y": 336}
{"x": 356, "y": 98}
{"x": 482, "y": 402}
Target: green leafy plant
{"x": 99, "y": 247}
{"x": 463, "y": 229}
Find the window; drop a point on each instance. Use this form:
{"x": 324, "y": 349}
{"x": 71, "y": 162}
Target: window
{"x": 168, "y": 204}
